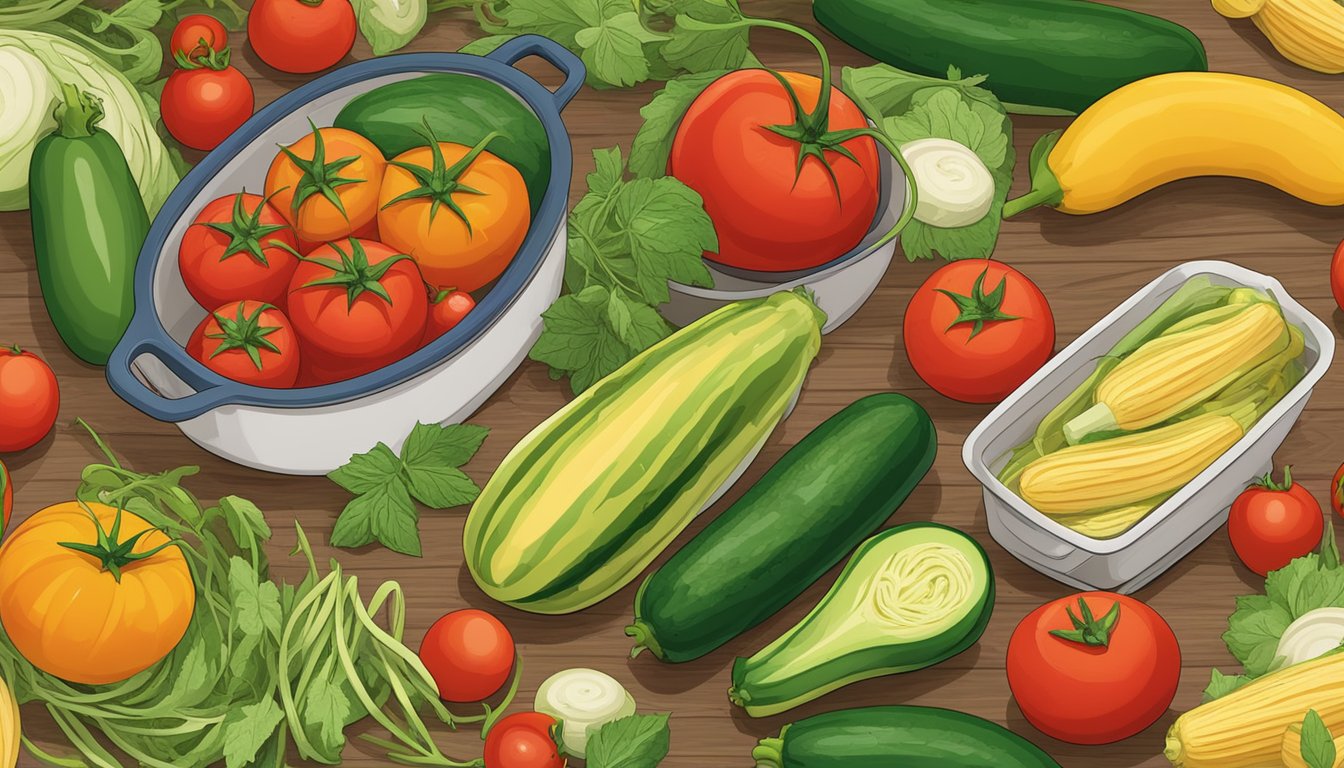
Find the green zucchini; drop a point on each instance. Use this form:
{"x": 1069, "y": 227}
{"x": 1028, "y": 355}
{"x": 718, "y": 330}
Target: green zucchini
{"x": 828, "y": 493}
{"x": 89, "y": 224}
{"x": 898, "y": 737}
{"x": 1040, "y": 56}
{"x": 456, "y": 108}
{"x": 587, "y": 499}
{"x": 910, "y": 597}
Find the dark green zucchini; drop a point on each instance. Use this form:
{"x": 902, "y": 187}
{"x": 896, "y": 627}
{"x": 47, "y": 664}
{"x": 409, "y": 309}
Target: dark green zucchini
{"x": 1040, "y": 56}
{"x": 827, "y": 494}
{"x": 898, "y": 737}
{"x": 89, "y": 224}
{"x": 458, "y": 108}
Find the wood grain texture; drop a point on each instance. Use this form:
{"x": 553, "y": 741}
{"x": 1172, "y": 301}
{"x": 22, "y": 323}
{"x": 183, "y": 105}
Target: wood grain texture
{"x": 1085, "y": 266}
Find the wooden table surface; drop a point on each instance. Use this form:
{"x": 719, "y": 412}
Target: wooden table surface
{"x": 1085, "y": 266}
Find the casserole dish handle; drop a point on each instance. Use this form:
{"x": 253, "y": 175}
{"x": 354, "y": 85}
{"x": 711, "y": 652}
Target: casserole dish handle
{"x": 552, "y": 53}
{"x": 211, "y": 390}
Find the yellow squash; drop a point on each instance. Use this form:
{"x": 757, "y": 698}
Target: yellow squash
{"x": 1309, "y": 33}
{"x": 1187, "y": 124}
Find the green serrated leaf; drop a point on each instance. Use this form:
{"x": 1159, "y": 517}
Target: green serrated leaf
{"x": 246, "y": 730}
{"x": 635, "y": 741}
{"x": 366, "y": 471}
{"x": 450, "y": 445}
{"x": 653, "y": 143}
{"x": 441, "y": 487}
{"x": 1318, "y": 746}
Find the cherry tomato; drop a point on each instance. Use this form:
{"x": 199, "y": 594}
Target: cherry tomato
{"x": 1337, "y": 491}
{"x": 357, "y": 306}
{"x": 196, "y": 36}
{"x": 1337, "y": 275}
{"x": 248, "y": 341}
{"x": 770, "y": 213}
{"x": 235, "y": 250}
{"x": 446, "y": 310}
{"x": 976, "y": 329}
{"x": 29, "y": 399}
{"x": 470, "y": 655}
{"x": 203, "y": 104}
{"x": 1111, "y": 674}
{"x": 1271, "y": 523}
{"x": 6, "y": 494}
{"x": 301, "y": 36}
{"x": 523, "y": 740}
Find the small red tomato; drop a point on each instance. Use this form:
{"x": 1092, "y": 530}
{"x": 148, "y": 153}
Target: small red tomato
{"x": 1097, "y": 676}
{"x": 357, "y": 305}
{"x": 1337, "y": 275}
{"x": 29, "y": 399}
{"x": 248, "y": 341}
{"x": 523, "y": 740}
{"x": 1272, "y": 523}
{"x": 470, "y": 655}
{"x": 204, "y": 103}
{"x": 6, "y": 494}
{"x": 196, "y": 36}
{"x": 446, "y": 310}
{"x": 1337, "y": 491}
{"x": 301, "y": 36}
{"x": 976, "y": 329}
{"x": 235, "y": 250}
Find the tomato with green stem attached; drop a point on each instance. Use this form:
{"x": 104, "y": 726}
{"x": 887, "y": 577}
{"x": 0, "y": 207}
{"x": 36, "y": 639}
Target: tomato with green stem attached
{"x": 446, "y": 310}
{"x": 248, "y": 341}
{"x": 1271, "y": 523}
{"x": 301, "y": 36}
{"x": 205, "y": 100}
{"x": 524, "y": 740}
{"x": 238, "y": 247}
{"x": 786, "y": 164}
{"x": 197, "y": 35}
{"x": 1095, "y": 668}
{"x": 326, "y": 184}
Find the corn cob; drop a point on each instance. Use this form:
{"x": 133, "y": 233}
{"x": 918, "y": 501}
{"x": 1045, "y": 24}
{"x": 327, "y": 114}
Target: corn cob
{"x": 1309, "y": 33}
{"x": 9, "y": 727}
{"x": 1291, "y": 755}
{"x": 1177, "y": 371}
{"x": 1245, "y": 728}
{"x": 1129, "y": 469}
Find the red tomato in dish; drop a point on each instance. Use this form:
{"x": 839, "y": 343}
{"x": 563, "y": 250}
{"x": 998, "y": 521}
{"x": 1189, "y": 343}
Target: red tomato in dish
{"x": 248, "y": 341}
{"x": 203, "y": 105}
{"x": 446, "y": 310}
{"x": 6, "y": 494}
{"x": 1337, "y": 491}
{"x": 357, "y": 305}
{"x": 771, "y": 216}
{"x": 523, "y": 740}
{"x": 1337, "y": 275}
{"x": 470, "y": 655}
{"x": 1112, "y": 675}
{"x": 235, "y": 250}
{"x": 197, "y": 35}
{"x": 976, "y": 329}
{"x": 301, "y": 36}
{"x": 1272, "y": 523}
{"x": 29, "y": 399}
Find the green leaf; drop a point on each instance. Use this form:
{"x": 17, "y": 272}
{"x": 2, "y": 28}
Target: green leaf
{"x": 392, "y": 517}
{"x": 246, "y": 730}
{"x": 653, "y": 144}
{"x": 635, "y": 741}
{"x": 326, "y": 708}
{"x": 613, "y": 50}
{"x": 640, "y": 326}
{"x": 354, "y": 526}
{"x": 707, "y": 50}
{"x": 485, "y": 45}
{"x": 1318, "y": 747}
{"x": 442, "y": 445}
{"x": 244, "y": 519}
{"x": 884, "y": 90}
{"x": 573, "y": 325}
{"x": 668, "y": 232}
{"x": 1220, "y": 685}
{"x": 366, "y": 471}
{"x": 441, "y": 487}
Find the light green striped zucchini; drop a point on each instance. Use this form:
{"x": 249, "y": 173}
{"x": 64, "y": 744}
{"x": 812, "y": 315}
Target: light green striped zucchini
{"x": 587, "y": 499}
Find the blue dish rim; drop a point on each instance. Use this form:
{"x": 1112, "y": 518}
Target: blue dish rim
{"x": 146, "y": 334}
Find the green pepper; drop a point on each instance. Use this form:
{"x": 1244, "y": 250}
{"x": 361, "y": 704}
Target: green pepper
{"x": 89, "y": 224}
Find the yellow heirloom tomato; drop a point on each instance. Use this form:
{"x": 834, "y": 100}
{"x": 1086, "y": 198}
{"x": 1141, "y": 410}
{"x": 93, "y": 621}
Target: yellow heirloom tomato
{"x": 459, "y": 211}
{"x": 93, "y": 594}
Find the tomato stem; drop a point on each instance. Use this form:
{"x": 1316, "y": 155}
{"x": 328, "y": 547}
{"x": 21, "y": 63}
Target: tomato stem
{"x": 979, "y": 308}
{"x": 1267, "y": 482}
{"x": 354, "y": 272}
{"x": 244, "y": 332}
{"x": 319, "y": 176}
{"x": 210, "y": 59}
{"x": 1089, "y": 630}
{"x": 246, "y": 230}
{"x": 13, "y": 349}
{"x": 111, "y": 551}
{"x": 439, "y": 183}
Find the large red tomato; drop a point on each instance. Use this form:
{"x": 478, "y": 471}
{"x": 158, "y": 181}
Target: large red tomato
{"x": 469, "y": 653}
{"x": 248, "y": 341}
{"x": 771, "y": 213}
{"x": 976, "y": 329}
{"x": 1093, "y": 669}
{"x": 205, "y": 101}
{"x": 235, "y": 250}
{"x": 357, "y": 305}
{"x": 1271, "y": 523}
{"x": 29, "y": 399}
{"x": 301, "y": 36}
{"x": 523, "y": 740}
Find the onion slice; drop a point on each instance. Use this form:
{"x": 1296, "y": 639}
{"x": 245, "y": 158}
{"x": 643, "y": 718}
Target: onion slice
{"x": 583, "y": 700}
{"x": 955, "y": 187}
{"x": 1314, "y": 634}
